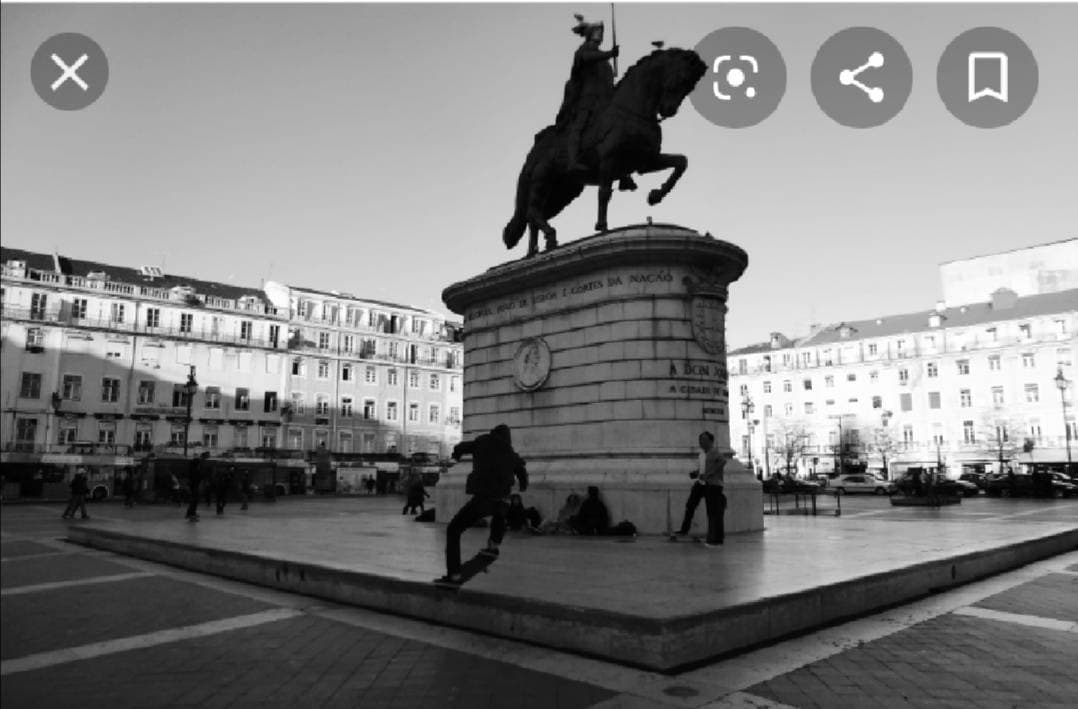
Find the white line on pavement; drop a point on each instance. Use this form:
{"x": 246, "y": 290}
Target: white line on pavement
{"x": 1032, "y": 621}
{"x": 138, "y": 642}
{"x": 20, "y": 590}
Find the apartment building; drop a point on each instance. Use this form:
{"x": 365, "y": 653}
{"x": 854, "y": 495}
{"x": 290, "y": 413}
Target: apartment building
{"x": 962, "y": 387}
{"x": 100, "y": 355}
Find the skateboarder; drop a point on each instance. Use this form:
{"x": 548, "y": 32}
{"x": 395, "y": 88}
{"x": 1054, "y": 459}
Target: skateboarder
{"x": 695, "y": 496}
{"x": 494, "y": 464}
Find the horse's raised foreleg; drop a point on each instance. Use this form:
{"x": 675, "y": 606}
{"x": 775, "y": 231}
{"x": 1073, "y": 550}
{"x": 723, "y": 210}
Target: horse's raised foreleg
{"x": 665, "y": 161}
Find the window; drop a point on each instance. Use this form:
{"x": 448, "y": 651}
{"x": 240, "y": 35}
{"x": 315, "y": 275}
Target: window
{"x": 1035, "y": 430}
{"x": 742, "y": 367}
{"x": 35, "y": 339}
{"x": 146, "y": 392}
{"x": 394, "y": 350}
{"x": 413, "y": 411}
{"x": 434, "y": 415}
{"x": 994, "y": 363}
{"x": 344, "y": 441}
{"x": 767, "y": 387}
{"x": 243, "y": 399}
{"x": 877, "y": 402}
{"x": 933, "y": 399}
{"x": 25, "y": 433}
{"x": 806, "y": 358}
{"x": 297, "y": 367}
{"x": 370, "y": 375}
{"x": 78, "y": 308}
{"x": 209, "y": 436}
{"x": 323, "y": 369}
{"x": 30, "y": 388}
{"x": 767, "y": 363}
{"x": 269, "y": 435}
{"x": 1032, "y": 394}
{"x": 213, "y": 397}
{"x": 932, "y": 370}
{"x": 72, "y": 388}
{"x": 391, "y": 411}
{"x": 368, "y": 347}
{"x": 744, "y": 389}
{"x": 413, "y": 379}
{"x": 992, "y": 334}
{"x": 1027, "y": 360}
{"x": 239, "y": 436}
{"x": 937, "y": 434}
{"x": 270, "y": 404}
{"x": 391, "y": 377}
{"x": 454, "y": 384}
{"x": 246, "y": 328}
{"x": 369, "y": 408}
{"x": 68, "y": 432}
{"x": 829, "y": 381}
{"x": 346, "y": 373}
{"x": 297, "y": 403}
{"x": 348, "y": 343}
{"x": 787, "y": 385}
{"x": 808, "y": 384}
{"x": 106, "y": 432}
{"x": 153, "y": 317}
{"x": 454, "y": 416}
{"x": 186, "y": 321}
{"x": 789, "y": 409}
{"x": 810, "y": 408}
{"x": 900, "y": 347}
{"x": 903, "y": 376}
{"x": 1061, "y": 327}
{"x": 295, "y": 438}
{"x": 829, "y": 402}
{"x": 179, "y": 396}
{"x": 110, "y": 389}
{"x": 435, "y": 382}
{"x": 965, "y": 398}
{"x": 274, "y": 334}
{"x": 346, "y": 406}
{"x": 321, "y": 405}
{"x": 967, "y": 432}
{"x": 323, "y": 340}
{"x": 873, "y": 349}
{"x": 907, "y": 433}
{"x": 997, "y": 395}
{"x": 1025, "y": 332}
{"x": 873, "y": 376}
{"x": 905, "y": 401}
{"x": 851, "y": 377}
{"x": 963, "y": 366}
{"x": 116, "y": 312}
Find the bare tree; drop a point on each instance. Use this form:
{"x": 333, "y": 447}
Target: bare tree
{"x": 1003, "y": 433}
{"x": 880, "y": 440}
{"x": 788, "y": 440}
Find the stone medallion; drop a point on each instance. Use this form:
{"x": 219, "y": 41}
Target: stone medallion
{"x": 531, "y": 364}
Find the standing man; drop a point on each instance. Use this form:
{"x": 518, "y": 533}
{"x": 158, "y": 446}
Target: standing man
{"x": 223, "y": 481}
{"x": 588, "y": 90}
{"x": 494, "y": 464}
{"x": 713, "y": 494}
{"x": 195, "y": 474}
{"x": 79, "y": 488}
{"x": 695, "y": 495}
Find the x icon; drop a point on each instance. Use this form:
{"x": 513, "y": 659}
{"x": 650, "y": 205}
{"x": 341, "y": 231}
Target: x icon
{"x": 69, "y": 72}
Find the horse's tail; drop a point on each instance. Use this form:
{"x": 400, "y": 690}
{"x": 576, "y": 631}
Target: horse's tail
{"x": 514, "y": 230}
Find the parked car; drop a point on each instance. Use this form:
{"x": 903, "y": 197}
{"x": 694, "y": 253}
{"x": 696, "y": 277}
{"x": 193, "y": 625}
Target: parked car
{"x": 862, "y": 483}
{"x": 944, "y": 487}
{"x": 1023, "y": 485}
{"x": 780, "y": 484}
{"x": 978, "y": 479}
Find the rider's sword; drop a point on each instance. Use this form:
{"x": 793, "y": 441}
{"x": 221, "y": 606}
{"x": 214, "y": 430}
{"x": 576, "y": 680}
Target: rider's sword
{"x": 614, "y": 35}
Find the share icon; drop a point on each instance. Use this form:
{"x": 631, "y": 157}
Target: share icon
{"x": 848, "y": 77}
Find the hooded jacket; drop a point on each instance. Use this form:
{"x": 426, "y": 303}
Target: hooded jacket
{"x": 494, "y": 464}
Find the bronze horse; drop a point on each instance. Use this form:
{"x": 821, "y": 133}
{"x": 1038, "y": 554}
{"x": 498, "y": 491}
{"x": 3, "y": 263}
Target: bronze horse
{"x": 625, "y": 138}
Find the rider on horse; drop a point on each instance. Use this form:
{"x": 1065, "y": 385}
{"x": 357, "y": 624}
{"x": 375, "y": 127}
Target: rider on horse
{"x": 588, "y": 90}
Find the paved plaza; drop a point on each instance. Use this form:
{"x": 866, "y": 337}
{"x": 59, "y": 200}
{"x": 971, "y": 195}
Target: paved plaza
{"x": 89, "y": 628}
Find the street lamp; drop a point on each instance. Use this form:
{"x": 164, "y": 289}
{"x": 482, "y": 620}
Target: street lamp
{"x": 747, "y": 407}
{"x": 189, "y": 389}
{"x": 1062, "y": 383}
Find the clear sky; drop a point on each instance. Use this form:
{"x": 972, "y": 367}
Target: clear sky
{"x": 374, "y": 149}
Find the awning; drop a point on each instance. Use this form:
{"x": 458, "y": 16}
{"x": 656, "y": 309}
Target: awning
{"x": 108, "y": 417}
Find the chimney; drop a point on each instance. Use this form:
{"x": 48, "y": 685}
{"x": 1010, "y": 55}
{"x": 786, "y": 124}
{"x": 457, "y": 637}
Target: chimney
{"x": 1003, "y": 299}
{"x": 940, "y": 306}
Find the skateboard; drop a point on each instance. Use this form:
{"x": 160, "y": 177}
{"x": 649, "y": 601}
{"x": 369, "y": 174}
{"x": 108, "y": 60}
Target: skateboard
{"x": 480, "y": 563}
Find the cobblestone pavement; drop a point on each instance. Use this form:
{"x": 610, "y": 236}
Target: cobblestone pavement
{"x": 88, "y": 628}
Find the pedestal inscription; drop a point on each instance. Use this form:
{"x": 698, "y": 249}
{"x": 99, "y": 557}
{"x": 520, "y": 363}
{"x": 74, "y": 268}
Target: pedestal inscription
{"x": 607, "y": 358}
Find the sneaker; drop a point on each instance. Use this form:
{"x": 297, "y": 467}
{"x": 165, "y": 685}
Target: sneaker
{"x": 450, "y": 580}
{"x": 491, "y": 551}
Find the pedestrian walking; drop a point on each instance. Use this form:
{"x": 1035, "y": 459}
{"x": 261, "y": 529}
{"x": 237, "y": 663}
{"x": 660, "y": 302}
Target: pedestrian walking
{"x": 245, "y": 488}
{"x": 416, "y": 494}
{"x": 494, "y": 465}
{"x": 714, "y": 499}
{"x": 195, "y": 474}
{"x": 696, "y": 494}
{"x": 79, "y": 487}
{"x": 223, "y": 481}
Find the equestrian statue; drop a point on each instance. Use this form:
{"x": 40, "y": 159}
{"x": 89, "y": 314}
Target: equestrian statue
{"x": 602, "y": 133}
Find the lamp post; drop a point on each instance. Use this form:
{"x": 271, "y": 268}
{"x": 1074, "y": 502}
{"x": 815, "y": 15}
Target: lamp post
{"x": 886, "y": 443}
{"x": 838, "y": 446}
{"x": 747, "y": 407}
{"x": 1062, "y": 383}
{"x": 189, "y": 389}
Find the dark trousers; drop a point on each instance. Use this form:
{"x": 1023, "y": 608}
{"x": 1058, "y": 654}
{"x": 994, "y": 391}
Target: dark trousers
{"x": 716, "y": 512}
{"x": 691, "y": 504}
{"x": 474, "y": 510}
{"x": 77, "y": 502}
{"x": 192, "y": 507}
{"x": 222, "y": 499}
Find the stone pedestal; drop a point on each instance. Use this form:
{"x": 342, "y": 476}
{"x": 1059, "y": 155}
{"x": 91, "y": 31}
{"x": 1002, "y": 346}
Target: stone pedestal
{"x": 607, "y": 358}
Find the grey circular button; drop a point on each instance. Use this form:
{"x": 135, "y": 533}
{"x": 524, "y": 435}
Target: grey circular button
{"x": 987, "y": 77}
{"x": 745, "y": 79}
{"x": 69, "y": 71}
{"x": 861, "y": 77}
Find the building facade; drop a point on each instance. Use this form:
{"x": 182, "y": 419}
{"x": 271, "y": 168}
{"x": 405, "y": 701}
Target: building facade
{"x": 960, "y": 387}
{"x": 99, "y": 355}
{"x": 1044, "y": 268}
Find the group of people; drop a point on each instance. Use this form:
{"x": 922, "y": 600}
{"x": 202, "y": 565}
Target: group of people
{"x": 495, "y": 466}
{"x": 217, "y": 482}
